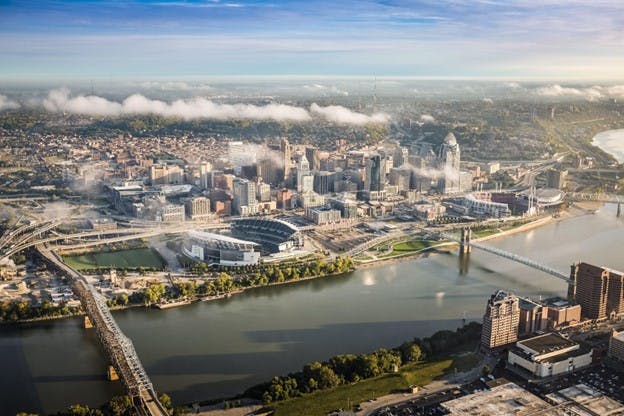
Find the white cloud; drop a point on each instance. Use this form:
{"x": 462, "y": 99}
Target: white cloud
{"x": 340, "y": 114}
{"x": 488, "y": 100}
{"x": 427, "y": 118}
{"x": 198, "y": 107}
{"x": 326, "y": 89}
{"x": 592, "y": 93}
{"x": 195, "y": 108}
{"x": 7, "y": 104}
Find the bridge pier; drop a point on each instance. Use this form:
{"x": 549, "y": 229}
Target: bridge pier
{"x": 619, "y": 210}
{"x": 111, "y": 374}
{"x": 464, "y": 245}
{"x": 87, "y": 322}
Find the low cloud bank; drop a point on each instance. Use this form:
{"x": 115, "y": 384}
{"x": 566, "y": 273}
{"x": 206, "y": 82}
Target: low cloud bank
{"x": 596, "y": 92}
{"x": 342, "y": 115}
{"x": 60, "y": 100}
{"x": 427, "y": 118}
{"x": 7, "y": 104}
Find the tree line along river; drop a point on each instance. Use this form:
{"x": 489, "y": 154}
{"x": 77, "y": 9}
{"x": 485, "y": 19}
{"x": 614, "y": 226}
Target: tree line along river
{"x": 220, "y": 348}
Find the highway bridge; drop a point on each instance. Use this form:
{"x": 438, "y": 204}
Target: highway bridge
{"x": 31, "y": 235}
{"x": 597, "y": 197}
{"x": 118, "y": 347}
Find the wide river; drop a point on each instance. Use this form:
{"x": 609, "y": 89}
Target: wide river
{"x": 216, "y": 349}
{"x": 611, "y": 141}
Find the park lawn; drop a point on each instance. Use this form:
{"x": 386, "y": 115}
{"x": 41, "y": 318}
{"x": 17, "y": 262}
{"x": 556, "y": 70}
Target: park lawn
{"x": 485, "y": 233}
{"x": 123, "y": 259}
{"x": 322, "y": 402}
{"x": 405, "y": 247}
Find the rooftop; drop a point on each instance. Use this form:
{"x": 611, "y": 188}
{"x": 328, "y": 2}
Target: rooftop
{"x": 546, "y": 343}
{"x": 506, "y": 399}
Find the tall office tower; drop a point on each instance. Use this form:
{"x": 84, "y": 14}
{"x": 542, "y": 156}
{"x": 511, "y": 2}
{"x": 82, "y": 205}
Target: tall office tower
{"x": 323, "y": 182}
{"x": 400, "y": 156}
{"x": 501, "y": 321}
{"x": 267, "y": 170}
{"x": 286, "y": 151}
{"x": 375, "y": 174}
{"x": 599, "y": 291}
{"x": 312, "y": 154}
{"x": 449, "y": 165}
{"x": 303, "y": 171}
{"x": 238, "y": 155}
{"x": 244, "y": 194}
{"x": 204, "y": 175}
{"x": 263, "y": 192}
{"x": 401, "y": 177}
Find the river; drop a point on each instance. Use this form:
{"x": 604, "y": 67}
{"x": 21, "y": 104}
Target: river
{"x": 612, "y": 142}
{"x": 219, "y": 348}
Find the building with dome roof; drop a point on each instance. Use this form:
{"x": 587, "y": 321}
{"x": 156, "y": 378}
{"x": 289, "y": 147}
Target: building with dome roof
{"x": 449, "y": 158}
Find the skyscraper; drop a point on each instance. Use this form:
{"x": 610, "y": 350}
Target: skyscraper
{"x": 449, "y": 159}
{"x": 312, "y": 154}
{"x": 375, "y": 174}
{"x": 286, "y": 152}
{"x": 244, "y": 194}
{"x": 305, "y": 180}
{"x": 599, "y": 290}
{"x": 501, "y": 321}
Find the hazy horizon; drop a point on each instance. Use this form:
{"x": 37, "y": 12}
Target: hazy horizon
{"x": 549, "y": 40}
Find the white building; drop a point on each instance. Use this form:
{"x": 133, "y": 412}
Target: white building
{"x": 549, "y": 355}
{"x": 221, "y": 249}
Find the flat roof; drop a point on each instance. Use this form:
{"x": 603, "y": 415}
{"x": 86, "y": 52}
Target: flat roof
{"x": 546, "y": 343}
{"x": 504, "y": 400}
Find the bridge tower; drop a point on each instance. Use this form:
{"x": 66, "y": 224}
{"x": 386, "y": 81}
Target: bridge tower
{"x": 464, "y": 245}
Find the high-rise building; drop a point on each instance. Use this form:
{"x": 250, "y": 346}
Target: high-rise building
{"x": 162, "y": 174}
{"x": 449, "y": 159}
{"x": 268, "y": 171}
{"x": 400, "y": 156}
{"x": 263, "y": 192}
{"x": 599, "y": 290}
{"x": 312, "y": 154}
{"x": 286, "y": 152}
{"x": 204, "y": 174}
{"x": 323, "y": 182}
{"x": 198, "y": 208}
{"x": 244, "y": 195}
{"x": 305, "y": 181}
{"x": 401, "y": 177}
{"x": 501, "y": 321}
{"x": 375, "y": 180}
{"x": 237, "y": 154}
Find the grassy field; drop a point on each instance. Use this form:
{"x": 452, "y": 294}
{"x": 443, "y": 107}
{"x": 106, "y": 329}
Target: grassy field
{"x": 124, "y": 259}
{"x": 405, "y": 247}
{"x": 320, "y": 403}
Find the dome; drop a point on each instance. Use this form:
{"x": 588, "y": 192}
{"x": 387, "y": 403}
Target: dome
{"x": 450, "y": 139}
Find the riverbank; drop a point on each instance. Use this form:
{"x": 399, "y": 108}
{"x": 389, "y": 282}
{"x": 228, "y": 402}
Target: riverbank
{"x": 579, "y": 209}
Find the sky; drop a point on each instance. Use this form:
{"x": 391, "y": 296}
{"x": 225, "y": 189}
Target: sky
{"x": 483, "y": 39}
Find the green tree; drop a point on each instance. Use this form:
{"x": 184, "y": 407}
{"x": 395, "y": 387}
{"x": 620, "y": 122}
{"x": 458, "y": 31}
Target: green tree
{"x": 165, "y": 400}
{"x": 121, "y": 406}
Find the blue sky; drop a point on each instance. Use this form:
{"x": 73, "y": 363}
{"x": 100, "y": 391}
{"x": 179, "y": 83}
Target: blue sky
{"x": 550, "y": 39}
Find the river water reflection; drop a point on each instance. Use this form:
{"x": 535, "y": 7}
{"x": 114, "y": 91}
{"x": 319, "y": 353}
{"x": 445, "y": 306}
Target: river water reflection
{"x": 215, "y": 349}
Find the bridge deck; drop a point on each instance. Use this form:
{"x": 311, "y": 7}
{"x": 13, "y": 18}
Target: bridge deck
{"x": 119, "y": 347}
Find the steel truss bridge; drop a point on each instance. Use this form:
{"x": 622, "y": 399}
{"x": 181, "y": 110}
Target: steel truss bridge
{"x": 118, "y": 347}
{"x": 505, "y": 254}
